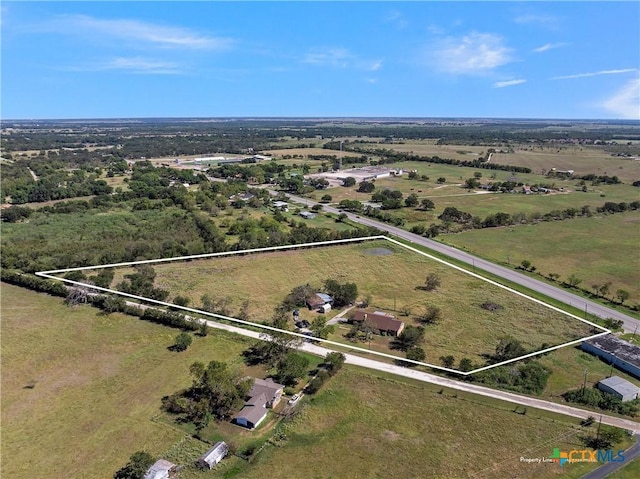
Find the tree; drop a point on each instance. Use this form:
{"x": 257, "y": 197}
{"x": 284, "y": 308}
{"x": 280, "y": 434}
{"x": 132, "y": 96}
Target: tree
{"x": 432, "y": 282}
{"x": 441, "y": 180}
{"x": 319, "y": 327}
{"x": 333, "y": 362}
{"x": 427, "y": 204}
{"x": 526, "y": 264}
{"x": 465, "y": 365}
{"x": 366, "y": 187}
{"x": 622, "y": 295}
{"x": 204, "y": 329}
{"x": 416, "y": 353}
{"x": 291, "y": 367}
{"x": 509, "y": 348}
{"x": 343, "y": 294}
{"x": 447, "y": 361}
{"x": 182, "y": 342}
{"x": 430, "y": 315}
{"x": 316, "y": 208}
{"x": 326, "y": 199}
{"x": 410, "y": 337}
{"x": 411, "y": 200}
{"x": 573, "y": 280}
{"x": 349, "y": 181}
{"x": 137, "y": 466}
{"x": 181, "y": 301}
{"x": 604, "y": 289}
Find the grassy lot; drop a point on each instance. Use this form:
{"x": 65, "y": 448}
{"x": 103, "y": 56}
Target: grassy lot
{"x": 629, "y": 471}
{"x": 97, "y": 383}
{"x": 390, "y": 280}
{"x": 567, "y": 247}
{"x": 364, "y": 425}
{"x": 581, "y": 159}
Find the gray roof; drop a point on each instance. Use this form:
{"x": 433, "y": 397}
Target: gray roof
{"x": 618, "y": 347}
{"x": 253, "y": 414}
{"x": 267, "y": 387}
{"x": 620, "y": 385}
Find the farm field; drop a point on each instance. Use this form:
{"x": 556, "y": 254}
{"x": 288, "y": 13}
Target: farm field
{"x": 97, "y": 382}
{"x": 390, "y": 280}
{"x": 366, "y": 425}
{"x": 581, "y": 159}
{"x": 566, "y": 247}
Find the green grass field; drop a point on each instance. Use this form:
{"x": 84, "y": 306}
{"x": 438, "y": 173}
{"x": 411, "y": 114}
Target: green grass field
{"x": 566, "y": 247}
{"x": 97, "y": 382}
{"x": 362, "y": 425}
{"x": 391, "y": 281}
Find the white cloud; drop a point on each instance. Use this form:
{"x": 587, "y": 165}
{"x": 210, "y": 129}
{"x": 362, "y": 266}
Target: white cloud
{"x": 374, "y": 66}
{"x": 502, "y": 84}
{"x": 136, "y": 65}
{"x": 145, "y": 32}
{"x": 335, "y": 57}
{"x": 476, "y": 53}
{"x": 548, "y": 46}
{"x": 593, "y": 74}
{"x": 548, "y": 21}
{"x": 625, "y": 103}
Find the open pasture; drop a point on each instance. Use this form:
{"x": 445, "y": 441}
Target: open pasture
{"x": 390, "y": 281}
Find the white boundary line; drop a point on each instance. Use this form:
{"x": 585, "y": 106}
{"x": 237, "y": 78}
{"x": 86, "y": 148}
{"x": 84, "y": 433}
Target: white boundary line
{"x": 49, "y": 274}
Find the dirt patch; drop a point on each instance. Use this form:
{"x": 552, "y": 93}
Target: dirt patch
{"x": 378, "y": 251}
{"x": 391, "y": 435}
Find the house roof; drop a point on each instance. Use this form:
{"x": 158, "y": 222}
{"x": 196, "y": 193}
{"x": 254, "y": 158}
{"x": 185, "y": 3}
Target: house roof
{"x": 159, "y": 470}
{"x": 252, "y": 414}
{"x": 217, "y": 452}
{"x": 620, "y": 385}
{"x": 319, "y": 299}
{"x": 267, "y": 387}
{"x": 380, "y": 320}
{"x": 617, "y": 347}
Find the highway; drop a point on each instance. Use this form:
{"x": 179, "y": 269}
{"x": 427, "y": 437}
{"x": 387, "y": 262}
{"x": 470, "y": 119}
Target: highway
{"x": 629, "y": 324}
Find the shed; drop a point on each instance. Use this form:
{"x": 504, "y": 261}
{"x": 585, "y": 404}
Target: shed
{"x": 214, "y": 455}
{"x": 161, "y": 469}
{"x": 307, "y": 215}
{"x": 620, "y": 388}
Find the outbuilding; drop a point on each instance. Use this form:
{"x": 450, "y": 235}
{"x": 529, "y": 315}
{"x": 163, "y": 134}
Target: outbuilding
{"x": 620, "y": 388}
{"x": 622, "y": 354}
{"x": 161, "y": 469}
{"x": 214, "y": 455}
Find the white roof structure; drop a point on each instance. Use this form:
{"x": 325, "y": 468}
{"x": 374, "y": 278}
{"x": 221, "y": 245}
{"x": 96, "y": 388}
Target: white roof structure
{"x": 159, "y": 470}
{"x": 214, "y": 455}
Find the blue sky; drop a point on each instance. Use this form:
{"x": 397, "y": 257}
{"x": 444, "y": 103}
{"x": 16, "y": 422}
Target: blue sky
{"x": 299, "y": 59}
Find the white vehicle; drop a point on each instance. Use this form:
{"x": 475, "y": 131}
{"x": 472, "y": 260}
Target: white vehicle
{"x": 294, "y": 399}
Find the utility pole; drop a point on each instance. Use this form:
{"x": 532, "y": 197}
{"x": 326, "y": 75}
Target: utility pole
{"x": 584, "y": 383}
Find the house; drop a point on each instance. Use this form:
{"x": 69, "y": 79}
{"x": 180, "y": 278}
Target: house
{"x": 620, "y": 388}
{"x": 214, "y": 455}
{"x": 271, "y": 389}
{"x": 307, "y": 215}
{"x": 265, "y": 393}
{"x": 241, "y": 197}
{"x": 385, "y": 323}
{"x": 161, "y": 469}
{"x": 281, "y": 205}
{"x": 318, "y": 300}
{"x": 616, "y": 351}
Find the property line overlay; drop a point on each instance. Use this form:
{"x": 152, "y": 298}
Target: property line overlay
{"x": 50, "y": 275}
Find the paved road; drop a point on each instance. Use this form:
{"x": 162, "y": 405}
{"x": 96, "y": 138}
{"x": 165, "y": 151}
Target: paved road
{"x": 449, "y": 383}
{"x": 610, "y": 467}
{"x": 629, "y": 324}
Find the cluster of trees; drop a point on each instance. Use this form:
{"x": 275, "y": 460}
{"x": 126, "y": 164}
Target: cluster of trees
{"x": 343, "y": 294}
{"x": 332, "y": 364}
{"x": 595, "y": 398}
{"x": 216, "y": 392}
{"x": 140, "y": 283}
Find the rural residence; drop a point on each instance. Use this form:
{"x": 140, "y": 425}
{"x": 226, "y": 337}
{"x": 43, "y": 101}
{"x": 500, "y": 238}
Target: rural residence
{"x": 385, "y": 323}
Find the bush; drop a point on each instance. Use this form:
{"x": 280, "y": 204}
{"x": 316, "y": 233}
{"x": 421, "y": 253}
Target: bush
{"x": 182, "y": 342}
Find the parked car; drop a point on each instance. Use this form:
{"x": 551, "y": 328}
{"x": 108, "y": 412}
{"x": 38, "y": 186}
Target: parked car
{"x": 294, "y": 399}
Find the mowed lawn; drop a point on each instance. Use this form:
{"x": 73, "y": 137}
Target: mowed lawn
{"x": 390, "y": 280}
{"x": 599, "y": 249}
{"x": 364, "y": 425}
{"x": 97, "y": 383}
